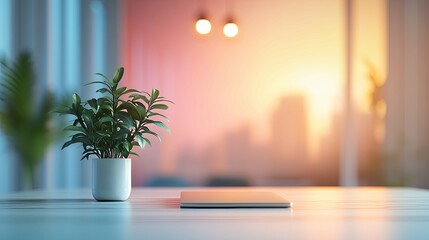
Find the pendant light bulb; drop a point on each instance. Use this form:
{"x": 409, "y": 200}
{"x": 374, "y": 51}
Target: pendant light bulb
{"x": 203, "y": 26}
{"x": 230, "y": 29}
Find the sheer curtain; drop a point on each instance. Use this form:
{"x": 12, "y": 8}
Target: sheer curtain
{"x": 5, "y": 47}
{"x": 69, "y": 41}
{"x": 407, "y": 88}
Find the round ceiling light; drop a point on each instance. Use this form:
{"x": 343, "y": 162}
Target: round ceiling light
{"x": 203, "y": 26}
{"x": 230, "y": 29}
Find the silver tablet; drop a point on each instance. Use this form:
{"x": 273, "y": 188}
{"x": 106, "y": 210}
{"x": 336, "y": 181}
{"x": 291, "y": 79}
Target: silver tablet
{"x": 232, "y": 199}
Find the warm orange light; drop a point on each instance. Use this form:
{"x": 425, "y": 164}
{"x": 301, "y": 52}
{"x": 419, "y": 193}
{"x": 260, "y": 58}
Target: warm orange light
{"x": 230, "y": 30}
{"x": 203, "y": 26}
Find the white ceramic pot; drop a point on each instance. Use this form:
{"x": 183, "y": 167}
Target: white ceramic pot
{"x": 111, "y": 179}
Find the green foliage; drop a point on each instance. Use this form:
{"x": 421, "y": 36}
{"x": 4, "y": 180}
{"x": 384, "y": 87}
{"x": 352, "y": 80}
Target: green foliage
{"x": 110, "y": 126}
{"x": 25, "y": 123}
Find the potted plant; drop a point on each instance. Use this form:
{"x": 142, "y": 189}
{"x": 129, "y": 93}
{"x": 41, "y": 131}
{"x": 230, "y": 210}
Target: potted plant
{"x": 109, "y": 127}
{"x": 25, "y": 115}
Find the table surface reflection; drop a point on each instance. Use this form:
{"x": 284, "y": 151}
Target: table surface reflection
{"x": 154, "y": 213}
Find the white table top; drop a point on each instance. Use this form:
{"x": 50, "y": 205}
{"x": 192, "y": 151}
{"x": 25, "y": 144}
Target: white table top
{"x": 153, "y": 213}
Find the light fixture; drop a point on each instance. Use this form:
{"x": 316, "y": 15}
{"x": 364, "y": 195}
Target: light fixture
{"x": 203, "y": 26}
{"x": 230, "y": 29}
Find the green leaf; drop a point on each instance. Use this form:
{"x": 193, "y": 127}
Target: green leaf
{"x": 105, "y": 119}
{"x": 75, "y": 140}
{"x": 63, "y": 110}
{"x": 74, "y": 128}
{"x": 145, "y": 99}
{"x": 76, "y": 99}
{"x": 107, "y": 107}
{"x": 131, "y": 91}
{"x": 103, "y": 100}
{"x": 147, "y": 141}
{"x": 87, "y": 118}
{"x": 125, "y": 154}
{"x": 140, "y": 140}
{"x": 85, "y": 156}
{"x": 127, "y": 146}
{"x": 159, "y": 106}
{"x": 155, "y": 94}
{"x": 131, "y": 109}
{"x": 139, "y": 96}
{"x": 103, "y": 134}
{"x": 93, "y": 104}
{"x": 126, "y": 119}
{"x": 135, "y": 95}
{"x": 79, "y": 110}
{"x": 162, "y": 125}
{"x": 141, "y": 111}
{"x": 120, "y": 90}
{"x": 146, "y": 130}
{"x": 158, "y": 114}
{"x": 106, "y": 82}
{"x": 121, "y": 134}
{"x": 118, "y": 75}
{"x": 103, "y": 90}
{"x": 68, "y": 143}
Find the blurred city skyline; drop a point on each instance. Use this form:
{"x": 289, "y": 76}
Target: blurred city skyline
{"x": 282, "y": 161}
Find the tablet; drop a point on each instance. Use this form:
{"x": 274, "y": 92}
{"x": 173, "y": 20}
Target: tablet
{"x": 232, "y": 199}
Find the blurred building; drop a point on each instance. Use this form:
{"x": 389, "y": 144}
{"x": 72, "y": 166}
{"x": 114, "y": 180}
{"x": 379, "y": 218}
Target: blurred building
{"x": 289, "y": 140}
{"x": 325, "y": 169}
